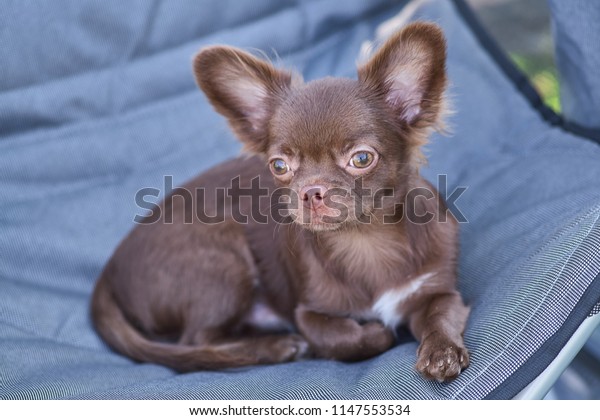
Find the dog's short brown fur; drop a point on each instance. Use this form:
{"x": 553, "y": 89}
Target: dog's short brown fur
{"x": 200, "y": 296}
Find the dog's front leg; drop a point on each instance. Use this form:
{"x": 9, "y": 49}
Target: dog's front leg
{"x": 342, "y": 338}
{"x": 439, "y": 325}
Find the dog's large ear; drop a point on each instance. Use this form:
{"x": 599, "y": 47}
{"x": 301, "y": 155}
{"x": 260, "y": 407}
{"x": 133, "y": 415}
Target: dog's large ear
{"x": 409, "y": 72}
{"x": 244, "y": 89}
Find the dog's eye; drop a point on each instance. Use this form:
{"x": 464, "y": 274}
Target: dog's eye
{"x": 279, "y": 167}
{"x": 361, "y": 159}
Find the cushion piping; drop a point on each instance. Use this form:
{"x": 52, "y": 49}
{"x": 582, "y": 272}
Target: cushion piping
{"x": 536, "y": 364}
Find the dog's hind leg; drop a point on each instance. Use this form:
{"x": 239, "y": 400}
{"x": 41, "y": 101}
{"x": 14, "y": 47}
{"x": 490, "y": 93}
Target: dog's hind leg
{"x": 198, "y": 283}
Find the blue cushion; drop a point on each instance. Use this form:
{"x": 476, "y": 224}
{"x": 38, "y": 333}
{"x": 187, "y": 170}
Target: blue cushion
{"x": 97, "y": 101}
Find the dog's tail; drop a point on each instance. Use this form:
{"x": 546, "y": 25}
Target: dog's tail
{"x": 117, "y": 331}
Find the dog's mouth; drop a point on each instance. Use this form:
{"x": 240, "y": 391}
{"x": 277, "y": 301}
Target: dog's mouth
{"x": 319, "y": 226}
{"x": 329, "y": 213}
{"x": 319, "y": 220}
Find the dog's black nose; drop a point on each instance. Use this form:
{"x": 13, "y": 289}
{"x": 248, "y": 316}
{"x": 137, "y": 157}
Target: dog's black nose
{"x": 312, "y": 196}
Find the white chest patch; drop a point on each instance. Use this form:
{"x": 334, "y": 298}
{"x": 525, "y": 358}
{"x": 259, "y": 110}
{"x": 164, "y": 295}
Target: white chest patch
{"x": 386, "y": 308}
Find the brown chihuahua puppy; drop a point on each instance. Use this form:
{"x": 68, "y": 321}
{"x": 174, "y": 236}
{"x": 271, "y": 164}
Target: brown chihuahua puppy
{"x": 350, "y": 258}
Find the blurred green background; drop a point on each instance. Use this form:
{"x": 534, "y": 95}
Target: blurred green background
{"x": 522, "y": 28}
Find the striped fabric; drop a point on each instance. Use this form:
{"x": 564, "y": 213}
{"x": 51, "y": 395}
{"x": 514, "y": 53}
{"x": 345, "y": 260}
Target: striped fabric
{"x": 97, "y": 101}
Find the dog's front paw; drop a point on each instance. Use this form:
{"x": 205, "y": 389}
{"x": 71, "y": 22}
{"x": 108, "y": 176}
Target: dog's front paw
{"x": 440, "y": 359}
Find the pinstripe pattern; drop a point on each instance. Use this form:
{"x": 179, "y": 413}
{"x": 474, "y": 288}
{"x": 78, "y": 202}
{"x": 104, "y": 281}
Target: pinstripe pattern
{"x": 530, "y": 254}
